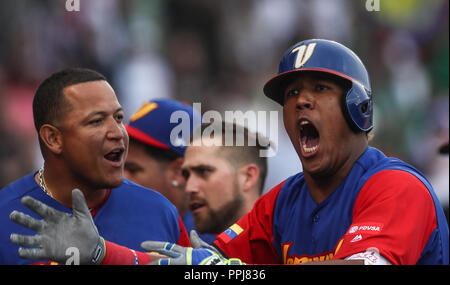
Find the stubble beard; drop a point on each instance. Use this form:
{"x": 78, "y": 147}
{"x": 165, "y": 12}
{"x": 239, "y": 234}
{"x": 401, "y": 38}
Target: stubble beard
{"x": 219, "y": 220}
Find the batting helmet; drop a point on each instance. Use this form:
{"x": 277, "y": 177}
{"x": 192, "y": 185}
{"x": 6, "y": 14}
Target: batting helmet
{"x": 333, "y": 58}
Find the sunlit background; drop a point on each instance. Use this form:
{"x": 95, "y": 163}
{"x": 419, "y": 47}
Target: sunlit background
{"x": 220, "y": 53}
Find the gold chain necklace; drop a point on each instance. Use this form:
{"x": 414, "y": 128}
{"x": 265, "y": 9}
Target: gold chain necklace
{"x": 42, "y": 182}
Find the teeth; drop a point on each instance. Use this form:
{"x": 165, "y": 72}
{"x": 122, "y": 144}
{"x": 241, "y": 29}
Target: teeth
{"x": 309, "y": 149}
{"x": 304, "y": 123}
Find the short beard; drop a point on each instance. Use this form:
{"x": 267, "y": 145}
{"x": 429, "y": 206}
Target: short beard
{"x": 221, "y": 219}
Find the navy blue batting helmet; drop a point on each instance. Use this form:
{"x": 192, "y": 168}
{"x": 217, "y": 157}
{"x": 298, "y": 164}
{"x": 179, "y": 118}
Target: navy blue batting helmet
{"x": 333, "y": 58}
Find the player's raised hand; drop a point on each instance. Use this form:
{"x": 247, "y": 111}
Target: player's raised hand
{"x": 201, "y": 254}
{"x": 59, "y": 234}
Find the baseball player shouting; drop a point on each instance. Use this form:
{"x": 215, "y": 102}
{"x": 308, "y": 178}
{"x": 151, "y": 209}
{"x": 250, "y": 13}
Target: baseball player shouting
{"x": 84, "y": 143}
{"x": 351, "y": 204}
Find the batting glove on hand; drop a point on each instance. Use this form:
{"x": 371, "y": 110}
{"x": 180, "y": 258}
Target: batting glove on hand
{"x": 201, "y": 254}
{"x": 59, "y": 233}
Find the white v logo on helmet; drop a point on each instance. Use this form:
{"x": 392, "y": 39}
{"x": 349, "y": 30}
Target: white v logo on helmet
{"x": 303, "y": 54}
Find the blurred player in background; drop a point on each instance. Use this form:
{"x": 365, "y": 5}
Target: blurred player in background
{"x": 223, "y": 182}
{"x": 153, "y": 160}
{"x": 84, "y": 144}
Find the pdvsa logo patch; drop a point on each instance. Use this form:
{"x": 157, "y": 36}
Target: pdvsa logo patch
{"x": 367, "y": 228}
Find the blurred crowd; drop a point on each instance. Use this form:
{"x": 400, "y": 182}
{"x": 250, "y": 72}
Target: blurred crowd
{"x": 221, "y": 53}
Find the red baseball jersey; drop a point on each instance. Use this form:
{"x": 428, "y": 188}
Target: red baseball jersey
{"x": 383, "y": 204}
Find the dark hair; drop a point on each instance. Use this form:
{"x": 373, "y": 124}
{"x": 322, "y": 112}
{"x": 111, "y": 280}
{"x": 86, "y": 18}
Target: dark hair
{"x": 49, "y": 102}
{"x": 239, "y": 155}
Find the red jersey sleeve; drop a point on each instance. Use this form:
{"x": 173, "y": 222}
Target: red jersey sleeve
{"x": 394, "y": 213}
{"x": 121, "y": 255}
{"x": 251, "y": 238}
{"x": 184, "y": 237}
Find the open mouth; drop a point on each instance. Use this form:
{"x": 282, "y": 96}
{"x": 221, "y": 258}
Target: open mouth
{"x": 115, "y": 155}
{"x": 195, "y": 206}
{"x": 309, "y": 138}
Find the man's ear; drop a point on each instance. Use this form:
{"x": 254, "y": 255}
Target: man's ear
{"x": 249, "y": 175}
{"x": 52, "y": 138}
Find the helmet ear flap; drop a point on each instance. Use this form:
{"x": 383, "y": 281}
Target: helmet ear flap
{"x": 358, "y": 108}
{"x": 364, "y": 107}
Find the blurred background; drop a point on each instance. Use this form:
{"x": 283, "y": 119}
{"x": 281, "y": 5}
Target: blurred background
{"x": 221, "y": 53}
